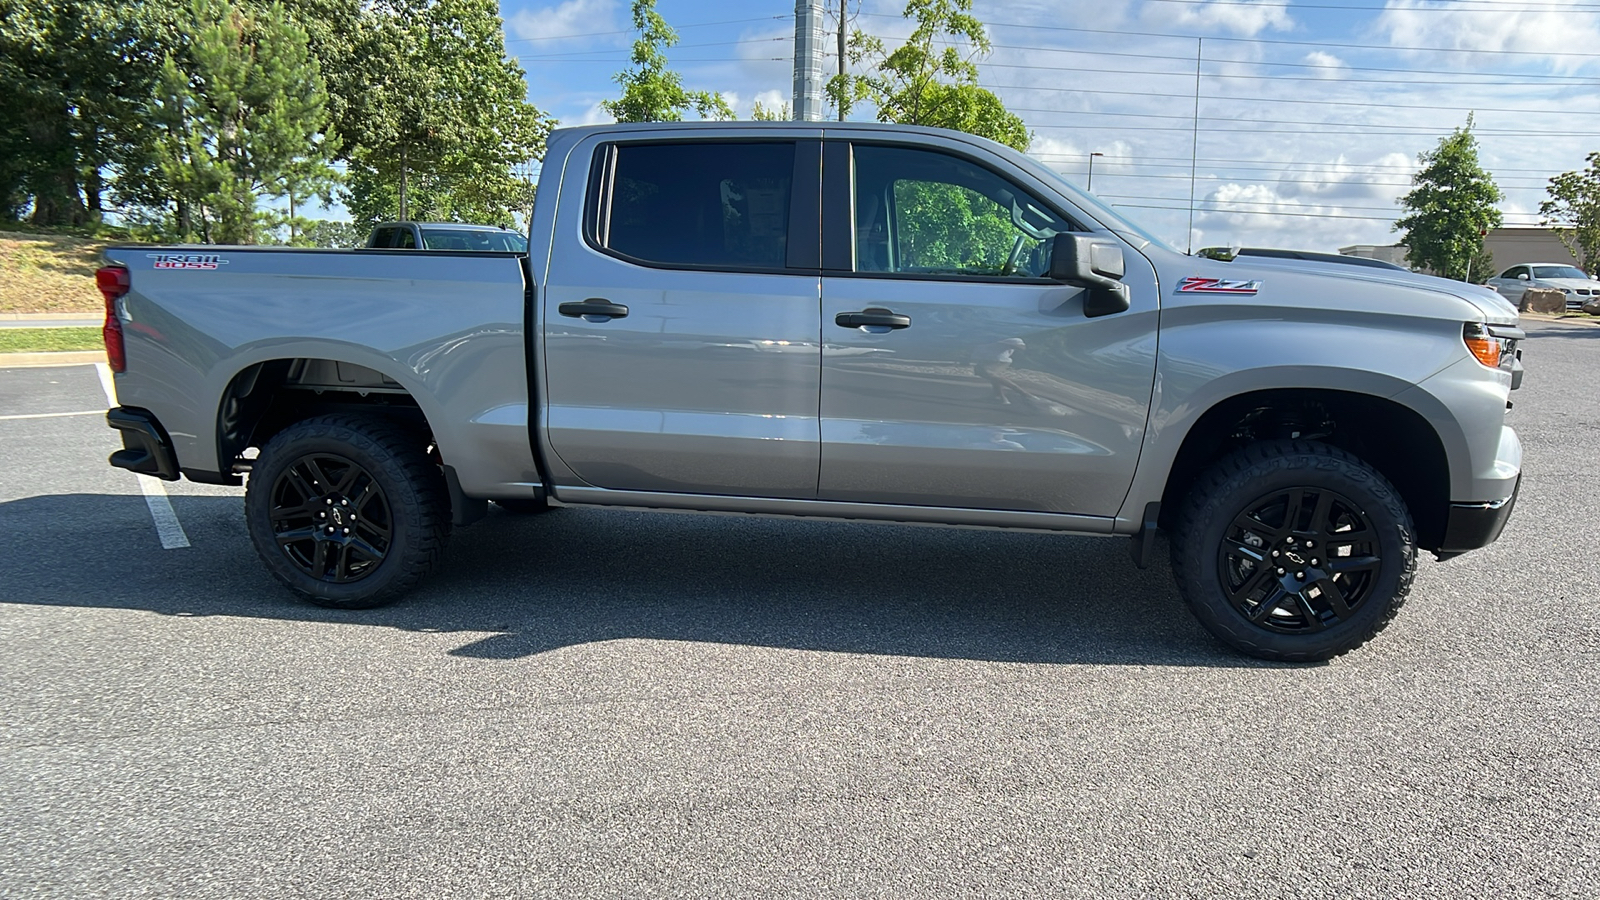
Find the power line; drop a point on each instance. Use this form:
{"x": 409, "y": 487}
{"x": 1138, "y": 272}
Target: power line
{"x": 611, "y": 54}
{"x": 1277, "y": 41}
{"x": 1490, "y": 6}
{"x": 1498, "y": 82}
{"x": 568, "y": 37}
{"x": 1361, "y": 126}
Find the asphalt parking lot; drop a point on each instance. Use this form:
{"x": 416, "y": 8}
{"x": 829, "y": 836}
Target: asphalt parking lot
{"x": 615, "y": 704}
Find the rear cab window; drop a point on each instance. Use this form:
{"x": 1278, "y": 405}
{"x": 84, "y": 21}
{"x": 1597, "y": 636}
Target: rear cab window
{"x": 694, "y": 204}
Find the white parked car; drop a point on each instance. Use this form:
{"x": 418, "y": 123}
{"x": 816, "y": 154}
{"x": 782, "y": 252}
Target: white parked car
{"x": 1567, "y": 279}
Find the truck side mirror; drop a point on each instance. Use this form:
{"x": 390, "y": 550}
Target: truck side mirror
{"x": 1095, "y": 263}
{"x": 1522, "y": 276}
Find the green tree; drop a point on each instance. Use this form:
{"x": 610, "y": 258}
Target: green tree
{"x": 1574, "y": 211}
{"x": 75, "y": 76}
{"x": 304, "y": 179}
{"x": 930, "y": 79}
{"x": 331, "y": 233}
{"x": 652, "y": 92}
{"x": 779, "y": 113}
{"x": 241, "y": 112}
{"x": 1450, "y": 207}
{"x": 434, "y": 115}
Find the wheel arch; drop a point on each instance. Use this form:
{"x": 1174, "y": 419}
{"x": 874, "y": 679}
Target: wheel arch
{"x": 1402, "y": 443}
{"x": 266, "y": 395}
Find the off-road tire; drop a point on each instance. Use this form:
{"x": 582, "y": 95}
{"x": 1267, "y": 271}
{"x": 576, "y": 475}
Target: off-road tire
{"x": 1242, "y": 484}
{"x": 414, "y": 501}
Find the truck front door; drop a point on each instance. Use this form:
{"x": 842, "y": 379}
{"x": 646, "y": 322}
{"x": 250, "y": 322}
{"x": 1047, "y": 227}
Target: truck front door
{"x": 953, "y": 373}
{"x": 681, "y": 330}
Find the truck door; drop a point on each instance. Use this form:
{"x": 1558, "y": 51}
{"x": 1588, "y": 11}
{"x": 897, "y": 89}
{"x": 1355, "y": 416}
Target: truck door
{"x": 681, "y": 318}
{"x": 954, "y": 373}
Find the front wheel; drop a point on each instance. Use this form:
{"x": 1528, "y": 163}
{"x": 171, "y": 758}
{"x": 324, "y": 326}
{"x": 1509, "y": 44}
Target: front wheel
{"x": 1294, "y": 551}
{"x": 347, "y": 510}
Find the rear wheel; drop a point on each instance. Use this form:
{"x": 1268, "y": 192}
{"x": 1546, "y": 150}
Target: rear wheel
{"x": 1294, "y": 551}
{"x": 346, "y": 510}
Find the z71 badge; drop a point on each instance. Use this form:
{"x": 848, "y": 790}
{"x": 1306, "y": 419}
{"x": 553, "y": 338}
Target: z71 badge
{"x": 1197, "y": 285}
{"x": 186, "y": 260}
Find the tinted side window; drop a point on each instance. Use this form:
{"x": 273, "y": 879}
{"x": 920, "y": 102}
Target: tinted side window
{"x": 700, "y": 204}
{"x": 928, "y": 213}
{"x": 381, "y": 238}
{"x": 404, "y": 239}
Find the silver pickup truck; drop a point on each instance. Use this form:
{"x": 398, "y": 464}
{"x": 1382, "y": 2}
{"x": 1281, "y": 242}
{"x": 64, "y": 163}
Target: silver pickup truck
{"x": 852, "y": 322}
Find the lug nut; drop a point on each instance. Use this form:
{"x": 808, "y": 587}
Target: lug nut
{"x": 322, "y": 515}
{"x": 347, "y": 531}
{"x": 330, "y": 529}
{"x": 344, "y": 502}
{"x": 1299, "y": 575}
{"x": 1315, "y": 561}
{"x": 330, "y": 501}
{"x": 1280, "y": 571}
{"x": 1311, "y": 543}
{"x": 1274, "y": 553}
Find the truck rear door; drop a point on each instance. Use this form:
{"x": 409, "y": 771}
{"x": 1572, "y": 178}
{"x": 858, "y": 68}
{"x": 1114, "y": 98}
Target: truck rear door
{"x": 681, "y": 316}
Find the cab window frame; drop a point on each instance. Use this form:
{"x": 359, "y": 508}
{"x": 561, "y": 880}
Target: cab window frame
{"x": 802, "y": 256}
{"x": 840, "y": 187}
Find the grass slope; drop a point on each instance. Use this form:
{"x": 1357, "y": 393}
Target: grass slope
{"x": 42, "y": 273}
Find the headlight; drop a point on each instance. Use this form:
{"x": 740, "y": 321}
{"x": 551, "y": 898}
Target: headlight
{"x": 1486, "y": 347}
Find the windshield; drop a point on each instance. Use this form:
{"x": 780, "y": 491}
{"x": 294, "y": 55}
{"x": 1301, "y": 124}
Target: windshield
{"x": 1559, "y": 272}
{"x": 1091, "y": 204}
{"x": 463, "y": 239}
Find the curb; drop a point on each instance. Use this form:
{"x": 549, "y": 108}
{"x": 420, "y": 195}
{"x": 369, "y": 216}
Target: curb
{"x": 51, "y": 358}
{"x": 1565, "y": 320}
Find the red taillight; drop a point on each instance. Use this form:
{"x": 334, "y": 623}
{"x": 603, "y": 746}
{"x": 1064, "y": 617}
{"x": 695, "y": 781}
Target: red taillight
{"x": 113, "y": 283}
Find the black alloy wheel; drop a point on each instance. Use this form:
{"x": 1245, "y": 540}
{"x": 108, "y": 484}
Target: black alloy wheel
{"x": 1299, "y": 560}
{"x": 1295, "y": 551}
{"x": 331, "y": 518}
{"x": 348, "y": 510}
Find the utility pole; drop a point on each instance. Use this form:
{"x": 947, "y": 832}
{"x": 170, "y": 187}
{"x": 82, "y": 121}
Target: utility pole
{"x": 1194, "y": 142}
{"x": 843, "y": 13}
{"x": 808, "y": 60}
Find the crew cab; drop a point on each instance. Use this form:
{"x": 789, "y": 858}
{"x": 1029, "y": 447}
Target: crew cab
{"x": 849, "y": 321}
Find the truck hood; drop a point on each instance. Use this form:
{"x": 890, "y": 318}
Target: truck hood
{"x": 1495, "y": 308}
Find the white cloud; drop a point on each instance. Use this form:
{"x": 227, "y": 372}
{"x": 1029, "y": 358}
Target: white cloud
{"x": 1328, "y": 66}
{"x": 594, "y": 115}
{"x": 1240, "y": 17}
{"x": 574, "y": 17}
{"x": 1420, "y": 23}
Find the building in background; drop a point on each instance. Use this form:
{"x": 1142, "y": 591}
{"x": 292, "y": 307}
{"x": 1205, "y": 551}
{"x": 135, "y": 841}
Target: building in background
{"x": 1525, "y": 245}
{"x": 1389, "y": 253}
{"x": 1510, "y": 246}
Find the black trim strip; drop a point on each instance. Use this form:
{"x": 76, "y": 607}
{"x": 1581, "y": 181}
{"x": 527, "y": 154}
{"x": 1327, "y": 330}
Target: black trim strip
{"x": 838, "y": 208}
{"x": 805, "y": 208}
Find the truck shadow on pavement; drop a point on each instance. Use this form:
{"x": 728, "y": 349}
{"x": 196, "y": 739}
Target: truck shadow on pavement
{"x": 524, "y": 585}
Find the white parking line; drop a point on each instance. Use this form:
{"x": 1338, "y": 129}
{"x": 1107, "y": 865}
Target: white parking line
{"x": 162, "y": 513}
{"x": 87, "y": 412}
{"x": 168, "y": 528}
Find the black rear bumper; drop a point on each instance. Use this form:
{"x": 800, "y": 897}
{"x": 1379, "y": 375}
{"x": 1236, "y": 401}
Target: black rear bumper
{"x": 146, "y": 449}
{"x": 1474, "y": 525}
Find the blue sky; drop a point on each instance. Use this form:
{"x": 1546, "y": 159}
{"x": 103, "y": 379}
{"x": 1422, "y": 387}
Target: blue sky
{"x": 1311, "y": 114}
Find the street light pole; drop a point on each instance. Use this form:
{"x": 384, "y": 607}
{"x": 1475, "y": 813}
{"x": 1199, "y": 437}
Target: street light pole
{"x": 1090, "y": 186}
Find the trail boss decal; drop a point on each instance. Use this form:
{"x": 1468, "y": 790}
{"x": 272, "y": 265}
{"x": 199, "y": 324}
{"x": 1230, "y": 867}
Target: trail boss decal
{"x": 1197, "y": 285}
{"x": 187, "y": 260}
